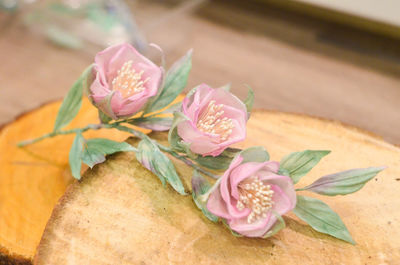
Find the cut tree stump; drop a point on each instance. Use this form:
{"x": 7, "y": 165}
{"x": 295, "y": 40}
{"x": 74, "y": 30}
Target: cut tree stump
{"x": 32, "y": 179}
{"x": 121, "y": 214}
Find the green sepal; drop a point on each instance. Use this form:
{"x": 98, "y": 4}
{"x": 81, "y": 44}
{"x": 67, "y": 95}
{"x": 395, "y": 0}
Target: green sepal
{"x": 321, "y": 218}
{"x": 105, "y": 106}
{"x": 278, "y": 226}
{"x": 300, "y": 163}
{"x": 201, "y": 186}
{"x": 72, "y": 101}
{"x": 175, "y": 141}
{"x": 220, "y": 162}
{"x": 227, "y": 87}
{"x": 103, "y": 117}
{"x": 254, "y": 154}
{"x": 249, "y": 101}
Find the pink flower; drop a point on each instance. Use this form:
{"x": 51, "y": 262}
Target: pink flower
{"x": 247, "y": 195}
{"x": 216, "y": 120}
{"x": 133, "y": 79}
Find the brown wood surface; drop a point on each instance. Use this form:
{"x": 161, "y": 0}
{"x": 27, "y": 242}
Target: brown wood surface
{"x": 121, "y": 214}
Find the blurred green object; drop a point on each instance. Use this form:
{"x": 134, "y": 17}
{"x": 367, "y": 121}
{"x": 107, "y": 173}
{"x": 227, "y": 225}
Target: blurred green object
{"x": 8, "y": 5}
{"x": 76, "y": 24}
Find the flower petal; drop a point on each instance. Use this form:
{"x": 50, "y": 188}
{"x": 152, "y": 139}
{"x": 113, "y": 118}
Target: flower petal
{"x": 284, "y": 182}
{"x": 221, "y": 96}
{"x": 217, "y": 206}
{"x": 199, "y": 143}
{"x": 255, "y": 229}
{"x": 282, "y": 203}
{"x": 241, "y": 173}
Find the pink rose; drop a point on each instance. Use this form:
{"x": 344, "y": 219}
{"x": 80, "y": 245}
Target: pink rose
{"x": 217, "y": 119}
{"x": 132, "y": 77}
{"x": 248, "y": 194}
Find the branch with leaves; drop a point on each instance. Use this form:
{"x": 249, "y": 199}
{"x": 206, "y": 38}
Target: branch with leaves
{"x": 243, "y": 189}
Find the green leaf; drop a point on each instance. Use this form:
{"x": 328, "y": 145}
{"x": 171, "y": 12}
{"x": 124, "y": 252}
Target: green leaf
{"x": 254, "y": 154}
{"x": 278, "y": 226}
{"x": 201, "y": 186}
{"x": 75, "y": 154}
{"x": 343, "y": 183}
{"x": 175, "y": 81}
{"x": 321, "y": 217}
{"x": 154, "y": 160}
{"x": 96, "y": 150}
{"x": 300, "y": 163}
{"x": 249, "y": 101}
{"x": 72, "y": 101}
{"x": 220, "y": 162}
{"x": 153, "y": 123}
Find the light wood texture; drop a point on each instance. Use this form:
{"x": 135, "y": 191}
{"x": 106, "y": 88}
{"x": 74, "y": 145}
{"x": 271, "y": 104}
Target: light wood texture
{"x": 121, "y": 214}
{"x": 32, "y": 179}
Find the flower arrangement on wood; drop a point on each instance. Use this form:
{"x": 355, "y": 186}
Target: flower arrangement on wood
{"x": 248, "y": 193}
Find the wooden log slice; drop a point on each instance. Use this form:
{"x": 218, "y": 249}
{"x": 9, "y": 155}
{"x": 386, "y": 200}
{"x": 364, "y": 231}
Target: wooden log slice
{"x": 32, "y": 179}
{"x": 121, "y": 214}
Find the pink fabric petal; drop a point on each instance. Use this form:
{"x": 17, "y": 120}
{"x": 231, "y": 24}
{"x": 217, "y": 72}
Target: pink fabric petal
{"x": 107, "y": 64}
{"x": 216, "y": 203}
{"x": 217, "y": 206}
{"x": 221, "y": 96}
{"x": 126, "y": 53}
{"x": 199, "y": 143}
{"x": 98, "y": 90}
{"x": 256, "y": 229}
{"x": 132, "y": 107}
{"x": 260, "y": 227}
{"x": 102, "y": 60}
{"x": 191, "y": 105}
{"x": 116, "y": 102}
{"x": 284, "y": 182}
{"x": 226, "y": 193}
{"x": 241, "y": 173}
{"x": 282, "y": 203}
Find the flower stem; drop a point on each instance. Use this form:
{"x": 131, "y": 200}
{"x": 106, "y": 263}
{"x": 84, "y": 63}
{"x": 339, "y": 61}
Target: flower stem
{"x": 55, "y": 133}
{"x": 166, "y": 149}
{"x": 117, "y": 126}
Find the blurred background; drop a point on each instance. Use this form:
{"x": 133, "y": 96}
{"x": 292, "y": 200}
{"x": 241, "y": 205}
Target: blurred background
{"x": 335, "y": 59}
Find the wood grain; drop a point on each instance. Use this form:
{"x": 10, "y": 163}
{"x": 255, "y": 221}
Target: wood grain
{"x": 32, "y": 179}
{"x": 120, "y": 212}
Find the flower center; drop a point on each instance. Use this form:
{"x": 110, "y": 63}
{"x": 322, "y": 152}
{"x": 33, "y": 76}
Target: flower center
{"x": 129, "y": 82}
{"x": 255, "y": 195}
{"x": 212, "y": 122}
